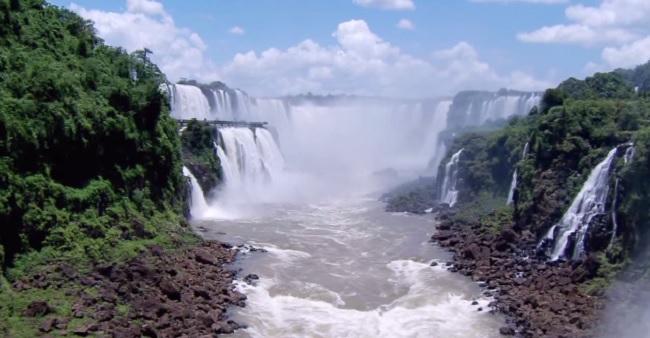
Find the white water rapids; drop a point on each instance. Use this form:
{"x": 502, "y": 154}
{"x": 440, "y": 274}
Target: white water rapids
{"x": 345, "y": 268}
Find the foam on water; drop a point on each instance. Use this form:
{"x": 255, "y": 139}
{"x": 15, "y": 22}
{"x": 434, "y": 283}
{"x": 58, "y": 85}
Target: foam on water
{"x": 345, "y": 268}
{"x": 422, "y": 311}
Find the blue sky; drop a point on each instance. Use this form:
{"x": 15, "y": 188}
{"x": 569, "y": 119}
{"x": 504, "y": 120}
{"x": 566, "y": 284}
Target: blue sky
{"x": 528, "y": 44}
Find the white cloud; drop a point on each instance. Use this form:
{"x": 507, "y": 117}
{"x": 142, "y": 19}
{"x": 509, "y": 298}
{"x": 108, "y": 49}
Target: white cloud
{"x": 611, "y": 12}
{"x": 544, "y": 2}
{"x": 628, "y": 55}
{"x": 619, "y": 26}
{"x": 179, "y": 52}
{"x": 576, "y": 34}
{"x": 612, "y": 21}
{"x": 406, "y": 24}
{"x": 387, "y": 4}
{"x": 236, "y": 30}
{"x": 148, "y": 7}
{"x": 363, "y": 63}
{"x": 359, "y": 62}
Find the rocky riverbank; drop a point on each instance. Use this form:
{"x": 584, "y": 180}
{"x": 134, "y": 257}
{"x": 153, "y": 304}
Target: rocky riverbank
{"x": 539, "y": 299}
{"x": 161, "y": 293}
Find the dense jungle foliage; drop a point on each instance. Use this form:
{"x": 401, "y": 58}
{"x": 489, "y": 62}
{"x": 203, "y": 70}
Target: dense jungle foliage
{"x": 577, "y": 124}
{"x": 89, "y": 156}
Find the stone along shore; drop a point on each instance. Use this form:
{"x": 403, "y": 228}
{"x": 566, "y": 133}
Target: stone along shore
{"x": 161, "y": 293}
{"x": 539, "y": 298}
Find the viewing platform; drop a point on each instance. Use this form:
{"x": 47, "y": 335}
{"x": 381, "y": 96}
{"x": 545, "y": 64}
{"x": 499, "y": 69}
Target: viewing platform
{"x": 220, "y": 123}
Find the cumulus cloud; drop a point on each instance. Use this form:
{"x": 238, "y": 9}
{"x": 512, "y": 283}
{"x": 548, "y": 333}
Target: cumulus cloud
{"x": 359, "y": 62}
{"x": 620, "y": 27}
{"x": 628, "y": 55}
{"x": 387, "y": 4}
{"x": 612, "y": 21}
{"x": 363, "y": 63}
{"x": 178, "y": 51}
{"x": 611, "y": 12}
{"x": 406, "y": 24}
{"x": 236, "y": 30}
{"x": 148, "y": 7}
{"x": 576, "y": 34}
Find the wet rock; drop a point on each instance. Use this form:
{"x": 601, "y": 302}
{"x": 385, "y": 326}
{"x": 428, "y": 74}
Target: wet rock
{"x": 47, "y": 325}
{"x": 37, "y": 309}
{"x": 205, "y": 258}
{"x": 170, "y": 289}
{"x": 180, "y": 293}
{"x": 85, "y": 330}
{"x": 539, "y": 299}
{"x": 507, "y": 331}
{"x": 250, "y": 279}
{"x": 148, "y": 331}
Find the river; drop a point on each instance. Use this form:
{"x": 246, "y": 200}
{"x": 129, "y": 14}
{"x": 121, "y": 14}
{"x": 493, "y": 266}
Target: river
{"x": 342, "y": 267}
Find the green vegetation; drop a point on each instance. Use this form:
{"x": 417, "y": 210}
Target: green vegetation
{"x": 89, "y": 156}
{"x": 488, "y": 159}
{"x": 90, "y": 159}
{"x": 198, "y": 154}
{"x": 484, "y": 209}
{"x": 577, "y": 124}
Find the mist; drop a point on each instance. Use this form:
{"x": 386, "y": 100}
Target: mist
{"x": 627, "y": 314}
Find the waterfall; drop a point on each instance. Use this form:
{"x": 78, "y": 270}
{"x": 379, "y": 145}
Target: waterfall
{"x": 475, "y": 108}
{"x": 198, "y": 204}
{"x": 627, "y": 158}
{"x": 434, "y": 143}
{"x": 513, "y": 184}
{"x": 589, "y": 202}
{"x": 223, "y": 109}
{"x": 270, "y": 153}
{"x": 614, "y": 217}
{"x": 449, "y": 194}
{"x": 189, "y": 102}
{"x": 249, "y": 157}
{"x": 629, "y": 153}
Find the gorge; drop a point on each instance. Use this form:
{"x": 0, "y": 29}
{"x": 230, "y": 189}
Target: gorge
{"x": 339, "y": 224}
{"x": 132, "y": 205}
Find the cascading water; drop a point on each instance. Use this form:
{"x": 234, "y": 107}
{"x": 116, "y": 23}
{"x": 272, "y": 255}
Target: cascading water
{"x": 249, "y": 158}
{"x": 629, "y": 153}
{"x": 321, "y": 275}
{"x": 589, "y": 202}
{"x": 449, "y": 193}
{"x": 189, "y": 102}
{"x": 221, "y": 103}
{"x": 627, "y": 158}
{"x": 434, "y": 132}
{"x": 198, "y": 204}
{"x": 513, "y": 184}
{"x": 471, "y": 109}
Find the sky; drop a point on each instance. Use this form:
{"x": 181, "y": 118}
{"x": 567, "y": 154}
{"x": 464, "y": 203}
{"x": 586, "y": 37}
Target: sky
{"x": 392, "y": 48}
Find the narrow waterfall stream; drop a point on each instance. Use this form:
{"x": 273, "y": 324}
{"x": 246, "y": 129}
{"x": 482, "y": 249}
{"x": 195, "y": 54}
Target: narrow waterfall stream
{"x": 448, "y": 192}
{"x": 515, "y": 177}
{"x": 589, "y": 202}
